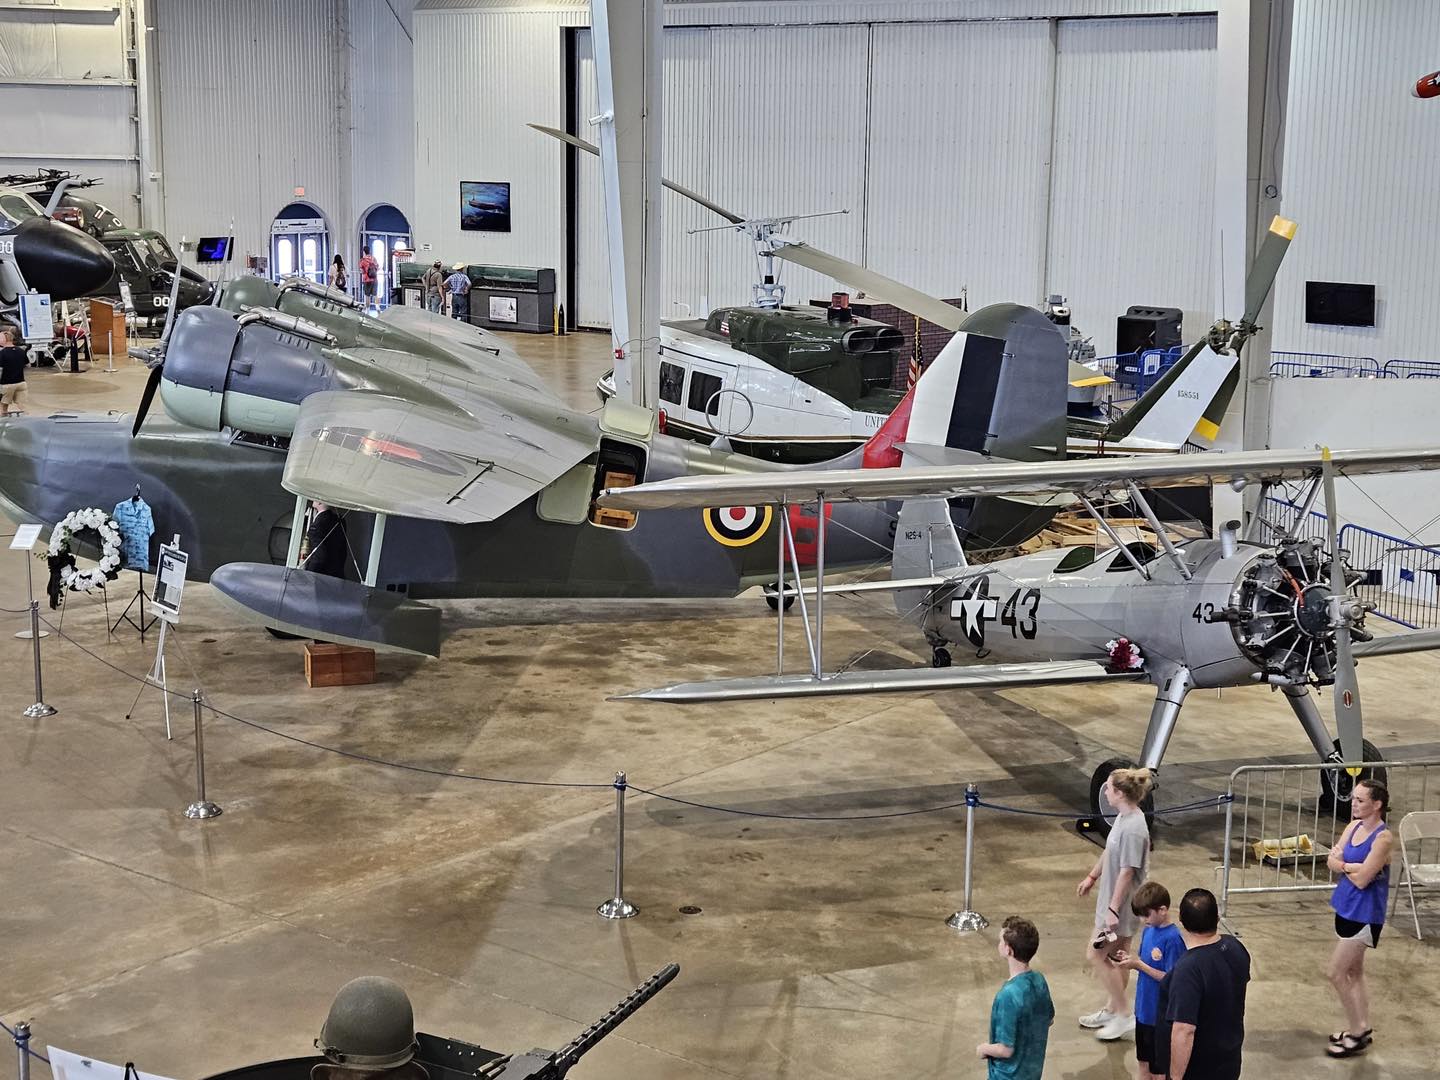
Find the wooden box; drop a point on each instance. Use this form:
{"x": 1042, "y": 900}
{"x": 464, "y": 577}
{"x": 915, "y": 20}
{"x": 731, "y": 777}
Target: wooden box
{"x": 604, "y": 515}
{"x": 338, "y": 665}
{"x": 107, "y": 328}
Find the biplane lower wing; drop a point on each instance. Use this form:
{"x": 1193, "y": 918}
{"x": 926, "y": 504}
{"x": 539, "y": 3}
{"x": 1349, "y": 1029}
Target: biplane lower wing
{"x": 899, "y": 680}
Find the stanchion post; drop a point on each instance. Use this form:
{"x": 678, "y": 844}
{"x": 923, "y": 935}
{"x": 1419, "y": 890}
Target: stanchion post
{"x": 967, "y": 918}
{"x": 617, "y": 907}
{"x": 22, "y": 1047}
{"x": 202, "y": 807}
{"x": 39, "y": 709}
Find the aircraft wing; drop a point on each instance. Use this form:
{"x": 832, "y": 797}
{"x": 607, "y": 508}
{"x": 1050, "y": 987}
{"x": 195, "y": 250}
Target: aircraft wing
{"x": 386, "y": 455}
{"x": 972, "y": 677}
{"x": 1009, "y": 478}
{"x": 476, "y": 352}
{"x": 1393, "y": 644}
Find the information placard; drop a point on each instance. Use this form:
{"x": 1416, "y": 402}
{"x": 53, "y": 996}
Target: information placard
{"x": 170, "y": 582}
{"x": 25, "y": 537}
{"x": 502, "y": 309}
{"x": 65, "y": 1065}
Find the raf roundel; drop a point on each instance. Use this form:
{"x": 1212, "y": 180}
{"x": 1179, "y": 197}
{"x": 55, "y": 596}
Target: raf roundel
{"x": 737, "y": 526}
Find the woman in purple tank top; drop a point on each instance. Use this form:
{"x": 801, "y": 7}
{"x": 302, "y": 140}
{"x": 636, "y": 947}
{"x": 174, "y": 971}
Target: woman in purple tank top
{"x": 1362, "y": 859}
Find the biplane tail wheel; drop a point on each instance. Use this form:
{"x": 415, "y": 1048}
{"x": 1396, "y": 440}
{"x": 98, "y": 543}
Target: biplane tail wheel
{"x": 1337, "y": 784}
{"x": 1102, "y": 814}
{"x": 940, "y": 658}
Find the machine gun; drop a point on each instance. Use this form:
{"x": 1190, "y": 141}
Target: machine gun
{"x": 548, "y": 1065}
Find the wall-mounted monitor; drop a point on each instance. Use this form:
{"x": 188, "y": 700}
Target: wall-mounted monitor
{"x": 1339, "y": 303}
{"x": 212, "y": 249}
{"x": 484, "y": 206}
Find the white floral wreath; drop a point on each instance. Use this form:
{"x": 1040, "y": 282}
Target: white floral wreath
{"x": 77, "y": 521}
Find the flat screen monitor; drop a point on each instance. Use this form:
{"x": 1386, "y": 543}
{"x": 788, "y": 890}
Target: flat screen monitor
{"x": 1339, "y": 303}
{"x": 484, "y": 206}
{"x": 212, "y": 249}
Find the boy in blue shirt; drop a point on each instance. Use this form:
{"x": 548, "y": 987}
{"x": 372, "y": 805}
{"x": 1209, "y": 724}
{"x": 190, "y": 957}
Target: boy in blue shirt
{"x": 1160, "y": 946}
{"x": 1022, "y": 1013}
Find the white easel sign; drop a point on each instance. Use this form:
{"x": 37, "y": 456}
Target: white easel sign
{"x": 25, "y": 537}
{"x": 170, "y": 582}
{"x": 67, "y": 1066}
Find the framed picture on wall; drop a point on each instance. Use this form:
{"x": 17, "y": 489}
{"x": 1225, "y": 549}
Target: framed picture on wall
{"x": 484, "y": 206}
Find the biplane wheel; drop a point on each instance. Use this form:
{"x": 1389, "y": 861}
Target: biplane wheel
{"x": 1101, "y": 812}
{"x": 1336, "y": 784}
{"x": 772, "y": 597}
{"x": 940, "y": 658}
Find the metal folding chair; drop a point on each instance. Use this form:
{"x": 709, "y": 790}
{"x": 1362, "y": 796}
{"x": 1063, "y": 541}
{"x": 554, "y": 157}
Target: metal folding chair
{"x": 1415, "y": 829}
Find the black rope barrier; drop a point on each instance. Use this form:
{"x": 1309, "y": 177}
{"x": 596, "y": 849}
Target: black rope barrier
{"x": 32, "y": 1053}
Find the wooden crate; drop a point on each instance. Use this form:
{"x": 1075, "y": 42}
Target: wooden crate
{"x": 338, "y": 665}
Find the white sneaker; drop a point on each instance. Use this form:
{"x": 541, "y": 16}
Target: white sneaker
{"x": 1119, "y": 1027}
{"x": 1097, "y": 1019}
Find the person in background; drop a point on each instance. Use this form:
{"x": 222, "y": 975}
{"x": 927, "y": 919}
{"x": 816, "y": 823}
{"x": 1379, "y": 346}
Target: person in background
{"x": 369, "y": 269}
{"x": 434, "y": 285}
{"x": 1362, "y": 859}
{"x": 1022, "y": 1012}
{"x": 458, "y": 286}
{"x": 1206, "y": 1009}
{"x": 1120, "y": 870}
{"x": 13, "y": 362}
{"x": 339, "y": 279}
{"x": 1160, "y": 946}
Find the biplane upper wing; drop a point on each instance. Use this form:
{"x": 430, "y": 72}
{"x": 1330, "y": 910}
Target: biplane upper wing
{"x": 386, "y": 455}
{"x": 1010, "y": 478}
{"x": 971, "y": 677}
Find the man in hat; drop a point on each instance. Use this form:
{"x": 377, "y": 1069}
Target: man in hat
{"x": 434, "y": 283}
{"x": 458, "y": 286}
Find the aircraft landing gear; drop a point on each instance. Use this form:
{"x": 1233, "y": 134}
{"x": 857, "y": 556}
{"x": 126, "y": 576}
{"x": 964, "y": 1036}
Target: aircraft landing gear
{"x": 1337, "y": 784}
{"x": 1097, "y": 826}
{"x": 772, "y": 596}
{"x": 940, "y": 657}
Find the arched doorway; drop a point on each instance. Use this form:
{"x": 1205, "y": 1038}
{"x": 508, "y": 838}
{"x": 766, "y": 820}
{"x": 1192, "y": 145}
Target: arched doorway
{"x": 300, "y": 243}
{"x": 383, "y": 231}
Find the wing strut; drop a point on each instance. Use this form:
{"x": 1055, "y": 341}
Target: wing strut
{"x": 377, "y": 541}
{"x": 1161, "y": 533}
{"x": 1114, "y": 536}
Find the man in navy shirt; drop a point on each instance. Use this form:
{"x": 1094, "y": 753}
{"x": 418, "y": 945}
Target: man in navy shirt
{"x": 1206, "y": 992}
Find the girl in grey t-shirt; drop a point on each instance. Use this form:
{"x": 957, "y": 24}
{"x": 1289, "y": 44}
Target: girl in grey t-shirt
{"x": 1119, "y": 871}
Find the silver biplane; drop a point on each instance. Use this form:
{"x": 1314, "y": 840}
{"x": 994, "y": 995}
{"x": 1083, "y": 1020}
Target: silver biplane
{"x": 1238, "y": 609}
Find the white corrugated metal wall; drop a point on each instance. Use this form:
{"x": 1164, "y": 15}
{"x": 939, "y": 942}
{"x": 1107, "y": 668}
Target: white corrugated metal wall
{"x": 251, "y": 95}
{"x": 1132, "y": 203}
{"x": 478, "y": 80}
{"x": 959, "y": 152}
{"x": 1361, "y": 156}
{"x": 67, "y": 98}
{"x": 382, "y": 136}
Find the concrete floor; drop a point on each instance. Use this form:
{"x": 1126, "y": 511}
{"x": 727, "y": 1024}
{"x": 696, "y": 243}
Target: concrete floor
{"x": 818, "y": 950}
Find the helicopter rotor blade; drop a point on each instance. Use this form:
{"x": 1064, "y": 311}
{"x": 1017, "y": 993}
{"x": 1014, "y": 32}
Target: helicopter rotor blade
{"x": 1348, "y": 723}
{"x": 591, "y": 148}
{"x": 1266, "y": 265}
{"x": 147, "y": 397}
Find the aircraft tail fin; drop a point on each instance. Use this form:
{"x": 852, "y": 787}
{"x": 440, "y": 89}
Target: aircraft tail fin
{"x": 926, "y": 543}
{"x": 1187, "y": 402}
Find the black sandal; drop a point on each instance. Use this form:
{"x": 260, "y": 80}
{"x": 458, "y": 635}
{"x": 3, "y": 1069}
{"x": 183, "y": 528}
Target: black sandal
{"x": 1349, "y": 1045}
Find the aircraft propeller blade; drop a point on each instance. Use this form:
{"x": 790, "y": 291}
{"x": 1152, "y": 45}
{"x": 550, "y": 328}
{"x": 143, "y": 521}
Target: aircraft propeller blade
{"x": 174, "y": 298}
{"x": 1348, "y": 724}
{"x": 1266, "y": 266}
{"x": 151, "y": 385}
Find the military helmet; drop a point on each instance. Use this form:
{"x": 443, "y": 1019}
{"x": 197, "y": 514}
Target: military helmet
{"x": 371, "y": 1026}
